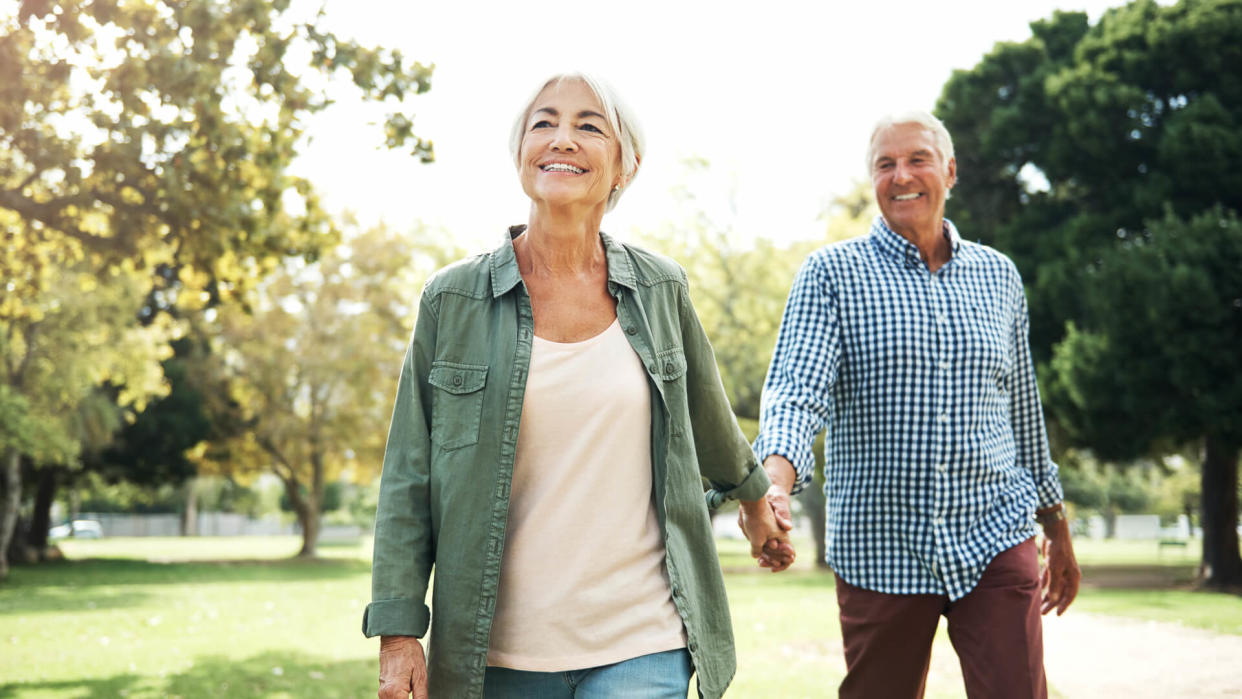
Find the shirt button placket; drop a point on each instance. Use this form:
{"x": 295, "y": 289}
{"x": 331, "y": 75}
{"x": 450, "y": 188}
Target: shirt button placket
{"x": 940, "y": 404}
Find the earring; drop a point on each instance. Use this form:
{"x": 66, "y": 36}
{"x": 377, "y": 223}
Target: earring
{"x": 616, "y": 188}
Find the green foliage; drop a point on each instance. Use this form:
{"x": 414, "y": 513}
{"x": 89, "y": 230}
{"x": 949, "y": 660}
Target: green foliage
{"x": 151, "y": 449}
{"x": 163, "y": 130}
{"x": 1159, "y": 363}
{"x": 1094, "y": 486}
{"x": 97, "y": 495}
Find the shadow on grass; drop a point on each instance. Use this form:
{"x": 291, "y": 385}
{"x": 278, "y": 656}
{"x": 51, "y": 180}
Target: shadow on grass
{"x": 271, "y": 673}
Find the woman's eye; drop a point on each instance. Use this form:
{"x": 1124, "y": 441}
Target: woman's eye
{"x": 591, "y": 127}
{"x": 541, "y": 124}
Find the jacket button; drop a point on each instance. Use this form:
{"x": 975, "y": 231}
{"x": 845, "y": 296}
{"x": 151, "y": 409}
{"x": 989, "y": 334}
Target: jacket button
{"x": 631, "y": 330}
{"x": 457, "y": 380}
{"x": 668, "y": 368}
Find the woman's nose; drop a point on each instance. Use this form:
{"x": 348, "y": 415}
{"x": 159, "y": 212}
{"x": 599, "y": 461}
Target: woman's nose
{"x": 563, "y": 140}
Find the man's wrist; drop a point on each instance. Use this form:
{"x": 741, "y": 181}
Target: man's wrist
{"x": 1050, "y": 516}
{"x": 781, "y": 472}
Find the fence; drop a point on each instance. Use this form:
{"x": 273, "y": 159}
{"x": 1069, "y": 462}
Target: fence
{"x": 209, "y": 524}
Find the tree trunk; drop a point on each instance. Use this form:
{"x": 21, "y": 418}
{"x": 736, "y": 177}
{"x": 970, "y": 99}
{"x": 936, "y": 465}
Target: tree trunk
{"x": 1110, "y": 522}
{"x": 10, "y": 499}
{"x": 41, "y": 518}
{"x": 308, "y": 516}
{"x": 814, "y": 503}
{"x": 1222, "y": 563}
{"x": 189, "y": 515}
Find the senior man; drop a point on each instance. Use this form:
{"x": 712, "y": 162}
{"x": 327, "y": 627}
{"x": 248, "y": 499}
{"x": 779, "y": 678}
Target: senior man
{"x": 910, "y": 346}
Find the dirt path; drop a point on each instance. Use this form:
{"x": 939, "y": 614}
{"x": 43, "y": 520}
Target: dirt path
{"x": 1089, "y": 656}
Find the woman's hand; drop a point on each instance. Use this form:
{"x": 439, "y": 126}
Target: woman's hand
{"x": 766, "y": 522}
{"x": 403, "y": 668}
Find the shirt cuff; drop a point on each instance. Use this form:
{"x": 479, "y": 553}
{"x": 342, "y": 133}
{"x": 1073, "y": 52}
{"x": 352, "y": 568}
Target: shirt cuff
{"x": 754, "y": 487}
{"x": 1048, "y": 490}
{"x": 395, "y": 617}
{"x": 784, "y": 443}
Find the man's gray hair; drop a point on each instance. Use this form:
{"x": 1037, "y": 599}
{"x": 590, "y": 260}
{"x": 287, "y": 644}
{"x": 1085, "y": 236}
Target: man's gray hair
{"x": 940, "y": 135}
{"x": 620, "y": 117}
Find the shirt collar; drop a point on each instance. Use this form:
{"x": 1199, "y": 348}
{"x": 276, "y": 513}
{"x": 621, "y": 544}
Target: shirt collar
{"x": 505, "y": 274}
{"x": 901, "y": 250}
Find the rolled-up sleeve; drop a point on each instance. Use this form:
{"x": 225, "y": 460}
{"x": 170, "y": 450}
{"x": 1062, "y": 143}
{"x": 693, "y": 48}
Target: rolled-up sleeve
{"x": 1026, "y": 414}
{"x": 404, "y": 552}
{"x": 796, "y": 394}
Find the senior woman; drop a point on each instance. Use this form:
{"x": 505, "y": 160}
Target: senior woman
{"x": 558, "y": 406}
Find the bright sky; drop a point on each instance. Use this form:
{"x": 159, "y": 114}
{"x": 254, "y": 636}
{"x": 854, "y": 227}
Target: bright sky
{"x": 778, "y": 96}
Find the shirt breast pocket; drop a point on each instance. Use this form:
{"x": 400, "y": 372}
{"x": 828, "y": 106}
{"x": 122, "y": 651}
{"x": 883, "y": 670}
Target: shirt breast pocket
{"x": 670, "y": 368}
{"x": 457, "y": 404}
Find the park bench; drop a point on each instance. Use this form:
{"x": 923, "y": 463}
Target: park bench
{"x": 1162, "y": 544}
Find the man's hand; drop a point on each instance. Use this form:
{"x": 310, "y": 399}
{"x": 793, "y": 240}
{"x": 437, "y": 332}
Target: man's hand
{"x": 774, "y": 550}
{"x": 403, "y": 668}
{"x": 1060, "y": 576}
{"x": 766, "y": 523}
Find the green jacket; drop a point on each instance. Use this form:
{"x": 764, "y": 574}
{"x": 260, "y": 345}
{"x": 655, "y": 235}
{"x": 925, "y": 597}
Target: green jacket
{"x": 444, "y": 493}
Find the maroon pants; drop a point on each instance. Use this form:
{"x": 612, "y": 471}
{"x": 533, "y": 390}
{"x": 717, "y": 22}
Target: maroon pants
{"x": 996, "y": 630}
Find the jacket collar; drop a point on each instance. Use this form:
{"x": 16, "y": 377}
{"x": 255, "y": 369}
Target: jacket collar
{"x": 505, "y": 274}
{"x": 897, "y": 248}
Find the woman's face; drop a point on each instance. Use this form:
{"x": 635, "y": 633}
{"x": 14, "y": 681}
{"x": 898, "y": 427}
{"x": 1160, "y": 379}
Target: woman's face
{"x": 570, "y": 156}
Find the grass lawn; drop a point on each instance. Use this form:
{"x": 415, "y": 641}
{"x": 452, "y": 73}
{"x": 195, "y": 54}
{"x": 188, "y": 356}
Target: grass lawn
{"x": 217, "y": 617}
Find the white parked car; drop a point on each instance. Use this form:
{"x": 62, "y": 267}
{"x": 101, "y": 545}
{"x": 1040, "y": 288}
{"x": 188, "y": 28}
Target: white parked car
{"x": 82, "y": 529}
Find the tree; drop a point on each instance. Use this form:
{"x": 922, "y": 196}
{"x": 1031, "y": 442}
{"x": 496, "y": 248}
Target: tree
{"x": 74, "y": 337}
{"x": 1086, "y": 153}
{"x": 1156, "y": 364}
{"x": 313, "y": 365}
{"x": 154, "y": 137}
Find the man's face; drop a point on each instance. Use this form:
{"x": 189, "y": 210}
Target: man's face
{"x": 910, "y": 178}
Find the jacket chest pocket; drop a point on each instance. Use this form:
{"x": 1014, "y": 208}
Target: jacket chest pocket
{"x": 457, "y": 404}
{"x": 670, "y": 370}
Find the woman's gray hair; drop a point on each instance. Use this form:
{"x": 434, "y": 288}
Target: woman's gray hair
{"x": 940, "y": 135}
{"x": 620, "y": 117}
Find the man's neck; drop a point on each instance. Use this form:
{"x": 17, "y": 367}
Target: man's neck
{"x": 934, "y": 246}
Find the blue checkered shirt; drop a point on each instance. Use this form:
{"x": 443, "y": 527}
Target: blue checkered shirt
{"x": 936, "y": 455}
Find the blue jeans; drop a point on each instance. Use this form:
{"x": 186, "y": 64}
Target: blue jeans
{"x": 656, "y": 676}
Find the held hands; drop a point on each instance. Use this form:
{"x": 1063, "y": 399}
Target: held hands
{"x": 403, "y": 668}
{"x": 766, "y": 523}
{"x": 1060, "y": 576}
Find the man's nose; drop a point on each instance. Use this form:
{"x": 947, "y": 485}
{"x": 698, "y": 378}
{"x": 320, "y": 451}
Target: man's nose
{"x": 901, "y": 173}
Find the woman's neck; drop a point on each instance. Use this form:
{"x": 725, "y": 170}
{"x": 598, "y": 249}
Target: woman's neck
{"x": 557, "y": 242}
